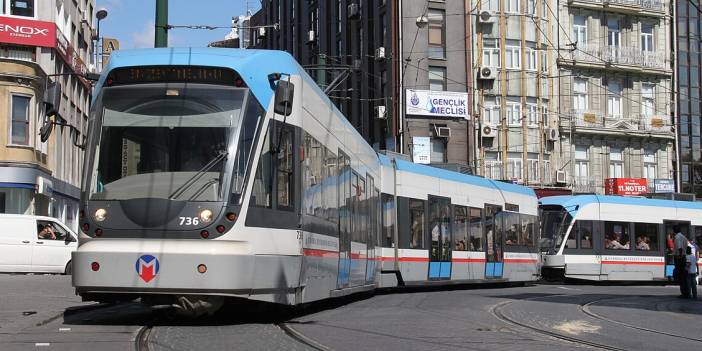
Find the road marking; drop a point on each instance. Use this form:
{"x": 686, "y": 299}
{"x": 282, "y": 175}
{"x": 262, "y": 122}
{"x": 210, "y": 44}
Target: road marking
{"x": 64, "y": 329}
{"x": 577, "y": 327}
{"x": 564, "y": 288}
{"x": 42, "y": 344}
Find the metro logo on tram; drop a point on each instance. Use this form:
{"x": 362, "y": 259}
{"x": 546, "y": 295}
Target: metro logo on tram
{"x": 147, "y": 267}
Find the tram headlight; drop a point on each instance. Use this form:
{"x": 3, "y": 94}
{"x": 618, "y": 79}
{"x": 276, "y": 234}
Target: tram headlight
{"x": 205, "y": 215}
{"x": 100, "y": 214}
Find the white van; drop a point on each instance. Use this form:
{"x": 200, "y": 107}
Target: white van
{"x": 35, "y": 244}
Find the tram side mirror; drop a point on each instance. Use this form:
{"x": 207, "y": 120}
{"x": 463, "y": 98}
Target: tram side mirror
{"x": 92, "y": 76}
{"x": 284, "y": 93}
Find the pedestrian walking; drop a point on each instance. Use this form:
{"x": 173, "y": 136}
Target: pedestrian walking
{"x": 680, "y": 273}
{"x": 691, "y": 266}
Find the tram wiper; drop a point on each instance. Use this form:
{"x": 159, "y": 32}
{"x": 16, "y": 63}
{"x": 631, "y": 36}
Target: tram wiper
{"x": 178, "y": 192}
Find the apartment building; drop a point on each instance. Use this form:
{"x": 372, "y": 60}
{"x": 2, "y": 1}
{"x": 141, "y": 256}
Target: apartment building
{"x": 517, "y": 131}
{"x": 615, "y": 92}
{"x": 43, "y": 42}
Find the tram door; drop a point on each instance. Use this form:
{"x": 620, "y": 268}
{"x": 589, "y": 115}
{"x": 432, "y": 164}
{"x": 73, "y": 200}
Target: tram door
{"x": 345, "y": 204}
{"x": 668, "y": 230}
{"x": 493, "y": 242}
{"x": 359, "y": 230}
{"x": 440, "y": 235}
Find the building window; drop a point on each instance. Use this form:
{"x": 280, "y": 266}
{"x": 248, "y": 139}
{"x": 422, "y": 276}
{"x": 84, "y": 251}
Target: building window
{"x": 436, "y": 34}
{"x": 491, "y": 53}
{"x": 580, "y": 29}
{"x": 514, "y": 113}
{"x": 648, "y": 104}
{"x": 513, "y": 6}
{"x": 646, "y": 37}
{"x": 649, "y": 159}
{"x": 614, "y": 34}
{"x": 490, "y": 5}
{"x": 582, "y": 164}
{"x": 544, "y": 63}
{"x": 547, "y": 170}
{"x": 580, "y": 94}
{"x": 532, "y": 115}
{"x": 491, "y": 113}
{"x": 23, "y": 8}
{"x": 514, "y": 166}
{"x": 531, "y": 7}
{"x": 533, "y": 168}
{"x": 531, "y": 59}
{"x": 616, "y": 163}
{"x": 544, "y": 114}
{"x": 493, "y": 166}
{"x": 19, "y": 129}
{"x": 614, "y": 100}
{"x": 513, "y": 57}
{"x": 437, "y": 78}
{"x": 438, "y": 150}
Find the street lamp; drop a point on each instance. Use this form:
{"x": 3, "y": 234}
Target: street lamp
{"x": 100, "y": 15}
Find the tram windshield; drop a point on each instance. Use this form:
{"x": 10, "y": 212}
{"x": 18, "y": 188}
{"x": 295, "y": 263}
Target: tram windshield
{"x": 554, "y": 223}
{"x": 166, "y": 140}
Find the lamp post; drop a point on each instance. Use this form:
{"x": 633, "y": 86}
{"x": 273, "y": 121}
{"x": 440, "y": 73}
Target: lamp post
{"x": 100, "y": 15}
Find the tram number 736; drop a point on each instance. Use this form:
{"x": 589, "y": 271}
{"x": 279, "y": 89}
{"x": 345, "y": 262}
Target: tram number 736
{"x": 189, "y": 221}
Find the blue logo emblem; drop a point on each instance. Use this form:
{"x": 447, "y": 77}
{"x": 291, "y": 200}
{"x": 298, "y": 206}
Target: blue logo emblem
{"x": 414, "y": 100}
{"x": 430, "y": 106}
{"x": 147, "y": 267}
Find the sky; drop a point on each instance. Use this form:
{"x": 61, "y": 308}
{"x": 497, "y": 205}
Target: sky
{"x": 132, "y": 21}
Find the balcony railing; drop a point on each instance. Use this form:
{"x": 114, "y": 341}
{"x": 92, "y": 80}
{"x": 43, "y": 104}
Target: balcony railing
{"x": 637, "y": 5}
{"x": 582, "y": 118}
{"x": 655, "y": 123}
{"x": 584, "y": 185}
{"x": 619, "y": 55}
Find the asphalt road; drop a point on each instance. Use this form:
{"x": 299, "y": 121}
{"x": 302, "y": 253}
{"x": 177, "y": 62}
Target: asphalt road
{"x": 41, "y": 312}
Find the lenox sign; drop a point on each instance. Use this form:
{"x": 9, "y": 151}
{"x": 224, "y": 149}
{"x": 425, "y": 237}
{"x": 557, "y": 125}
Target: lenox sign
{"x": 27, "y": 32}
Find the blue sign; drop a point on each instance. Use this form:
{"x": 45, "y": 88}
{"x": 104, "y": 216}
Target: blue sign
{"x": 664, "y": 186}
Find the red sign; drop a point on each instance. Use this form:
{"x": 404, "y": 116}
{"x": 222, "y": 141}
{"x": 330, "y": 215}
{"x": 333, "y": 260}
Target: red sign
{"x": 27, "y": 32}
{"x": 70, "y": 56}
{"x": 626, "y": 186}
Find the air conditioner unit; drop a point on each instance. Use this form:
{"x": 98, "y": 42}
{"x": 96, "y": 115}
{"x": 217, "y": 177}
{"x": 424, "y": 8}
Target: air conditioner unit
{"x": 443, "y": 132}
{"x": 561, "y": 177}
{"x": 380, "y": 53}
{"x": 353, "y": 12}
{"x": 487, "y": 73}
{"x": 552, "y": 134}
{"x": 487, "y": 17}
{"x": 310, "y": 36}
{"x": 262, "y": 32}
{"x": 489, "y": 131}
{"x": 380, "y": 112}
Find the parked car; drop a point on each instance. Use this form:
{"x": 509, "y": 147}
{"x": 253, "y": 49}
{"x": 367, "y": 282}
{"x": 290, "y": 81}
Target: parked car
{"x": 35, "y": 244}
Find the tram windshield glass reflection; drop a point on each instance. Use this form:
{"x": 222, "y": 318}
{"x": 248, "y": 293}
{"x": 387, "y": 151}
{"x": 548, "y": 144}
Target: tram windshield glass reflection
{"x": 173, "y": 141}
{"x": 554, "y": 223}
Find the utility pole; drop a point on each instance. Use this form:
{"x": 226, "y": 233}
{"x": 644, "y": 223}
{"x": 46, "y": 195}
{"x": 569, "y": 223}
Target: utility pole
{"x": 161, "y": 33}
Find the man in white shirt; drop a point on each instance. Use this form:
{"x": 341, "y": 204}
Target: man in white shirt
{"x": 691, "y": 266}
{"x": 680, "y": 245}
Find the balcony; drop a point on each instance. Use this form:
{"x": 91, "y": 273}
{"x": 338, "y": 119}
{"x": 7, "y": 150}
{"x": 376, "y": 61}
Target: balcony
{"x": 619, "y": 57}
{"x": 656, "y": 124}
{"x": 586, "y": 185}
{"x": 646, "y": 7}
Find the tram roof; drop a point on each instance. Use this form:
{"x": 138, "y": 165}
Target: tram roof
{"x": 252, "y": 65}
{"x": 571, "y": 201}
{"x": 430, "y": 171}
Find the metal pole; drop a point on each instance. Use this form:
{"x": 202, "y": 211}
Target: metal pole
{"x": 161, "y": 33}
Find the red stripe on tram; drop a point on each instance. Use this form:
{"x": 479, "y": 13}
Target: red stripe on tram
{"x": 320, "y": 253}
{"x": 468, "y": 260}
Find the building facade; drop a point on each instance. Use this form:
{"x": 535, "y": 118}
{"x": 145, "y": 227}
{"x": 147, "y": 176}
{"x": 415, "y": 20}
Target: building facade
{"x": 518, "y": 136}
{"x": 687, "y": 82}
{"x": 615, "y": 92}
{"x": 43, "y": 42}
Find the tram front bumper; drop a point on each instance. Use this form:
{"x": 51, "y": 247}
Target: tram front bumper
{"x": 163, "y": 266}
{"x": 554, "y": 261}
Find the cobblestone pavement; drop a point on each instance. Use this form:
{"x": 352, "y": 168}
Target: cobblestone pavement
{"x": 41, "y": 312}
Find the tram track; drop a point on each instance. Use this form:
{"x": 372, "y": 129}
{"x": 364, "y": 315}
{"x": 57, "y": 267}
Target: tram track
{"x": 301, "y": 338}
{"x": 141, "y": 341}
{"x": 585, "y": 308}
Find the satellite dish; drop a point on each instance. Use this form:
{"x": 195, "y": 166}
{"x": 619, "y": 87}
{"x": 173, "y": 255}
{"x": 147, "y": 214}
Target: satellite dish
{"x": 45, "y": 130}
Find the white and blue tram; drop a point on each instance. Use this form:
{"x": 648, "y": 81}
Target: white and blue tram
{"x": 217, "y": 173}
{"x": 613, "y": 238}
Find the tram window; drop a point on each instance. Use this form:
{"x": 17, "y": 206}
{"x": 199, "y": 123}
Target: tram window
{"x": 512, "y": 229}
{"x": 698, "y": 236}
{"x": 388, "y": 203}
{"x": 249, "y": 128}
{"x": 617, "y": 236}
{"x": 416, "y": 209}
{"x": 646, "y": 236}
{"x": 460, "y": 228}
{"x": 261, "y": 194}
{"x": 312, "y": 170}
{"x": 476, "y": 229}
{"x": 284, "y": 170}
{"x": 582, "y": 232}
{"x": 378, "y": 221}
{"x": 362, "y": 212}
{"x": 528, "y": 229}
{"x": 329, "y": 188}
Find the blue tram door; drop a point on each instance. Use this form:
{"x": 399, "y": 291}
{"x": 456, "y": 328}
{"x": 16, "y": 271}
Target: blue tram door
{"x": 440, "y": 235}
{"x": 493, "y": 242}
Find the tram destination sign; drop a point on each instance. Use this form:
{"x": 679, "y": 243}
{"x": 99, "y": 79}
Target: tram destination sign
{"x": 177, "y": 74}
